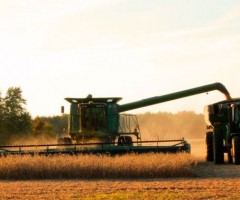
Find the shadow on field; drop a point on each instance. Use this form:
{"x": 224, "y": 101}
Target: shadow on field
{"x": 211, "y": 170}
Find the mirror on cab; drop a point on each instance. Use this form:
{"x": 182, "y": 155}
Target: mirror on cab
{"x": 62, "y": 109}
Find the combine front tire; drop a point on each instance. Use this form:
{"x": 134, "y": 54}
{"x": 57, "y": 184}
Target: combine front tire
{"x": 230, "y": 158}
{"x": 125, "y": 141}
{"x": 209, "y": 144}
{"x": 236, "y": 149}
{"x": 64, "y": 140}
{"x": 218, "y": 152}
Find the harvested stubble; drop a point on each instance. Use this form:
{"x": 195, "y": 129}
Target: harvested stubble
{"x": 94, "y": 166}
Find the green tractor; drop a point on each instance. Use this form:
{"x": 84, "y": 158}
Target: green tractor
{"x": 223, "y": 131}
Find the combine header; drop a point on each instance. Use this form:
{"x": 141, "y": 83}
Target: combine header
{"x": 98, "y": 125}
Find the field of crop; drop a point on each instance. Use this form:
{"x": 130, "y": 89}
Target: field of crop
{"x": 149, "y": 176}
{"x": 93, "y": 166}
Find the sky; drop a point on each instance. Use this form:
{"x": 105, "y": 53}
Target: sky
{"x": 132, "y": 49}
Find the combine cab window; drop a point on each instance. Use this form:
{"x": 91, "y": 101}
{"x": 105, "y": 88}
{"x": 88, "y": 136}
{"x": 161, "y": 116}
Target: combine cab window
{"x": 93, "y": 117}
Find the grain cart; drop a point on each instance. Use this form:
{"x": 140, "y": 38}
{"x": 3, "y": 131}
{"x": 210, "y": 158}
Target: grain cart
{"x": 223, "y": 133}
{"x": 101, "y": 120}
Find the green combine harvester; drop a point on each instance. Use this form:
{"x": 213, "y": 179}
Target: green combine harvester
{"x": 101, "y": 126}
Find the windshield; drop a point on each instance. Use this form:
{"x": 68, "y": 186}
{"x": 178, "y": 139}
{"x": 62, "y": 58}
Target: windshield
{"x": 93, "y": 117}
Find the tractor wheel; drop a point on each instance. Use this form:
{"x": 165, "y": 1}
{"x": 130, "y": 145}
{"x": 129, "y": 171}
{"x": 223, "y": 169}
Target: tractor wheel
{"x": 64, "y": 140}
{"x": 120, "y": 141}
{"x": 124, "y": 141}
{"x": 209, "y": 144}
{"x": 230, "y": 158}
{"x": 218, "y": 153}
{"x": 128, "y": 140}
{"x": 236, "y": 149}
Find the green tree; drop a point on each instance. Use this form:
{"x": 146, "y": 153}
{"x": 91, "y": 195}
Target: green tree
{"x": 57, "y": 122}
{"x": 47, "y": 129}
{"x": 42, "y": 128}
{"x": 2, "y": 124}
{"x": 16, "y": 119}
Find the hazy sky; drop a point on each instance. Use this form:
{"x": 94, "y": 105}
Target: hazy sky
{"x": 126, "y": 48}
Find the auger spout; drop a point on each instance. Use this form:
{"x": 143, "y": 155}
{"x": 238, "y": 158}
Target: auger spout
{"x": 176, "y": 95}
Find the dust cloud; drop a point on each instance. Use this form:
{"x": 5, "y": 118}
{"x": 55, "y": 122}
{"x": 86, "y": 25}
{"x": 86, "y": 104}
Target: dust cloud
{"x": 42, "y": 139}
{"x": 163, "y": 125}
{"x": 185, "y": 124}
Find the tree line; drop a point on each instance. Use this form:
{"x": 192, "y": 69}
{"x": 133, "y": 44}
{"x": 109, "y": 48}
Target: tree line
{"x": 17, "y": 125}
{"x": 14, "y": 119}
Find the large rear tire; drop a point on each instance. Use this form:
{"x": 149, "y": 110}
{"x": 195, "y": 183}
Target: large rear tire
{"x": 128, "y": 140}
{"x": 230, "y": 158}
{"x": 218, "y": 152}
{"x": 236, "y": 149}
{"x": 209, "y": 144}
